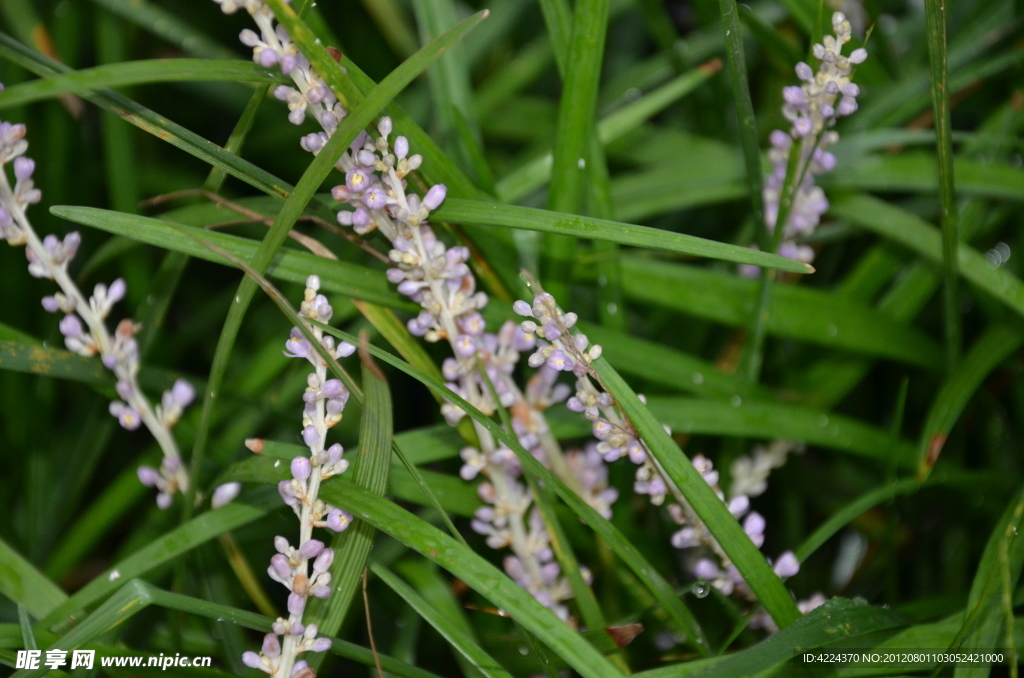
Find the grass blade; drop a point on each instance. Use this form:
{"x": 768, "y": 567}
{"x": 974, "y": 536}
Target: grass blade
{"x": 137, "y": 73}
{"x": 767, "y": 420}
{"x": 911, "y": 231}
{"x": 992, "y": 348}
{"x": 168, "y": 26}
{"x": 32, "y": 358}
{"x": 737, "y": 61}
{"x": 872, "y": 498}
{"x": 151, "y": 122}
{"x": 837, "y": 619}
{"x": 576, "y": 110}
{"x": 137, "y": 595}
{"x": 338, "y": 277}
{"x": 169, "y": 546}
{"x": 451, "y": 91}
{"x": 448, "y": 629}
{"x": 544, "y": 221}
{"x": 935, "y": 18}
{"x": 27, "y": 586}
{"x": 370, "y": 473}
{"x": 984, "y": 620}
{"x": 797, "y": 312}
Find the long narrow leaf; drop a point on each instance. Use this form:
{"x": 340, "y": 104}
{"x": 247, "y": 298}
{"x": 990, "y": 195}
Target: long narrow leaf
{"x": 530, "y": 219}
{"x": 455, "y": 636}
{"x": 25, "y": 585}
{"x": 136, "y": 73}
{"x": 993, "y": 347}
{"x": 911, "y": 231}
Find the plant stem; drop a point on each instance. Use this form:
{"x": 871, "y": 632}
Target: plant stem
{"x": 935, "y": 16}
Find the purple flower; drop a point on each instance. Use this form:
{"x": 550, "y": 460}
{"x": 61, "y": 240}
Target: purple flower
{"x": 297, "y": 345}
{"x": 332, "y": 388}
{"x": 706, "y": 569}
{"x": 71, "y": 326}
{"x": 310, "y": 437}
{"x": 357, "y": 180}
{"x": 287, "y": 492}
{"x": 338, "y": 520}
{"x": 251, "y": 659}
{"x": 560, "y": 361}
{"x": 128, "y": 417}
{"x": 296, "y": 605}
{"x": 184, "y": 393}
{"x": 787, "y": 565}
{"x": 300, "y": 465}
{"x": 435, "y": 196}
{"x": 312, "y": 548}
{"x": 465, "y": 346}
{"x": 282, "y": 568}
{"x": 271, "y": 646}
{"x": 323, "y": 561}
{"x": 23, "y": 168}
{"x": 375, "y": 198}
{"x": 225, "y": 494}
{"x": 148, "y": 476}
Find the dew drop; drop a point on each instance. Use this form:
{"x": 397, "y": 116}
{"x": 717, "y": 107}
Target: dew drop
{"x": 736, "y": 400}
{"x": 524, "y": 651}
{"x": 698, "y": 378}
{"x": 823, "y": 420}
{"x": 701, "y": 588}
{"x": 612, "y": 308}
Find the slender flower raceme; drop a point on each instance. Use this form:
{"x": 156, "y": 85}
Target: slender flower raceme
{"x": 558, "y": 348}
{"x": 323, "y": 402}
{"x": 813, "y": 108}
{"x": 84, "y": 323}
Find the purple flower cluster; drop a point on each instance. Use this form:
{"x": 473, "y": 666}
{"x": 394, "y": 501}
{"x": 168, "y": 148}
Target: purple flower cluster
{"x": 323, "y": 402}
{"x": 813, "y": 108}
{"x": 84, "y": 323}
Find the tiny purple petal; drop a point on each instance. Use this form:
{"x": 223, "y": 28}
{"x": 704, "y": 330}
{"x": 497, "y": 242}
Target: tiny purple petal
{"x": 787, "y": 565}
{"x": 312, "y": 548}
{"x": 300, "y": 465}
{"x": 23, "y": 168}
{"x": 148, "y": 476}
{"x": 435, "y": 196}
{"x": 225, "y": 494}
{"x": 271, "y": 646}
{"x": 184, "y": 393}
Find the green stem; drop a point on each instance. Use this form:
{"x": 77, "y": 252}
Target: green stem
{"x": 736, "y": 60}
{"x": 935, "y": 16}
